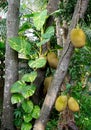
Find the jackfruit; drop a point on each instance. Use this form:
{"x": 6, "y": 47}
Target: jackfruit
{"x": 78, "y": 37}
{"x": 73, "y": 105}
{"x": 61, "y": 103}
{"x": 47, "y": 83}
{"x": 52, "y": 60}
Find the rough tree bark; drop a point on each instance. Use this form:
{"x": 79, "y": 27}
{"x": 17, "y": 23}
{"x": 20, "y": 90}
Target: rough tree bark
{"x": 61, "y": 71}
{"x": 59, "y": 37}
{"x": 11, "y": 64}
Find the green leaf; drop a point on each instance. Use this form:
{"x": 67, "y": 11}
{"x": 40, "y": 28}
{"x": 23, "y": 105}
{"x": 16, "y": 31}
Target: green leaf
{"x": 58, "y": 47}
{"x": 20, "y": 45}
{"x": 38, "y": 63}
{"x": 24, "y": 27}
{"x": 27, "y": 117}
{"x": 26, "y": 126}
{"x": 42, "y": 42}
{"x": 39, "y": 19}
{"x": 27, "y": 106}
{"x": 16, "y": 98}
{"x": 21, "y": 87}
{"x": 28, "y": 15}
{"x": 49, "y": 33}
{"x": 2, "y": 45}
{"x": 29, "y": 77}
{"x": 17, "y": 87}
{"x": 36, "y": 112}
{"x": 28, "y": 91}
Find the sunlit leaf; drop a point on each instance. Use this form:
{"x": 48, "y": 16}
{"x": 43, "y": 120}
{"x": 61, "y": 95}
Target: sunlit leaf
{"x": 26, "y": 126}
{"x": 28, "y": 90}
{"x": 38, "y": 63}
{"x": 29, "y": 77}
{"x": 17, "y": 87}
{"x": 27, "y": 117}
{"x": 20, "y": 45}
{"x": 27, "y": 106}
{"x": 36, "y": 112}
{"x": 16, "y": 98}
{"x": 39, "y": 19}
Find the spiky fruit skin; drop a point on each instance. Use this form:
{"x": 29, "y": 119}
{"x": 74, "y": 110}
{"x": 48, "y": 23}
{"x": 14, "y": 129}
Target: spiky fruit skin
{"x": 51, "y": 55}
{"x": 47, "y": 83}
{"x": 73, "y": 105}
{"x": 52, "y": 60}
{"x": 78, "y": 37}
{"x": 53, "y": 63}
{"x": 61, "y": 103}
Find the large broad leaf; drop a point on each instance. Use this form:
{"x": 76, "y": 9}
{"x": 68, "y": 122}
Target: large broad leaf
{"x": 39, "y": 19}
{"x": 36, "y": 112}
{"x": 26, "y": 126}
{"x": 16, "y": 98}
{"x": 49, "y": 33}
{"x": 20, "y": 45}
{"x": 38, "y": 63}
{"x": 28, "y": 90}
{"x": 27, "y": 117}
{"x": 17, "y": 87}
{"x": 27, "y": 106}
{"x": 22, "y": 88}
{"x": 29, "y": 77}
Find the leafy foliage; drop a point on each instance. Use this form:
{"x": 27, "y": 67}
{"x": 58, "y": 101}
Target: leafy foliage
{"x": 36, "y": 112}
{"x": 26, "y": 126}
{"x": 20, "y": 94}
{"x": 38, "y": 63}
{"x": 20, "y": 45}
{"x": 3, "y": 3}
{"x": 82, "y": 95}
{"x": 16, "y": 98}
{"x": 79, "y": 65}
{"x": 39, "y": 19}
{"x": 67, "y": 8}
{"x": 27, "y": 106}
{"x": 29, "y": 77}
{"x": 79, "y": 62}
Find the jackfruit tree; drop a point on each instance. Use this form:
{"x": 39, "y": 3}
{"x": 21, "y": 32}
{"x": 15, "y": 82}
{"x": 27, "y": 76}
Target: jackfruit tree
{"x": 48, "y": 53}
{"x": 61, "y": 73}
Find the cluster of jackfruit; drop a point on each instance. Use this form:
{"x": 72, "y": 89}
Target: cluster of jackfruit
{"x": 62, "y": 102}
{"x": 77, "y": 37}
{"x": 53, "y": 62}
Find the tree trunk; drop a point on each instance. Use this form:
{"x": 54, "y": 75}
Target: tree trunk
{"x": 11, "y": 64}
{"x": 61, "y": 71}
